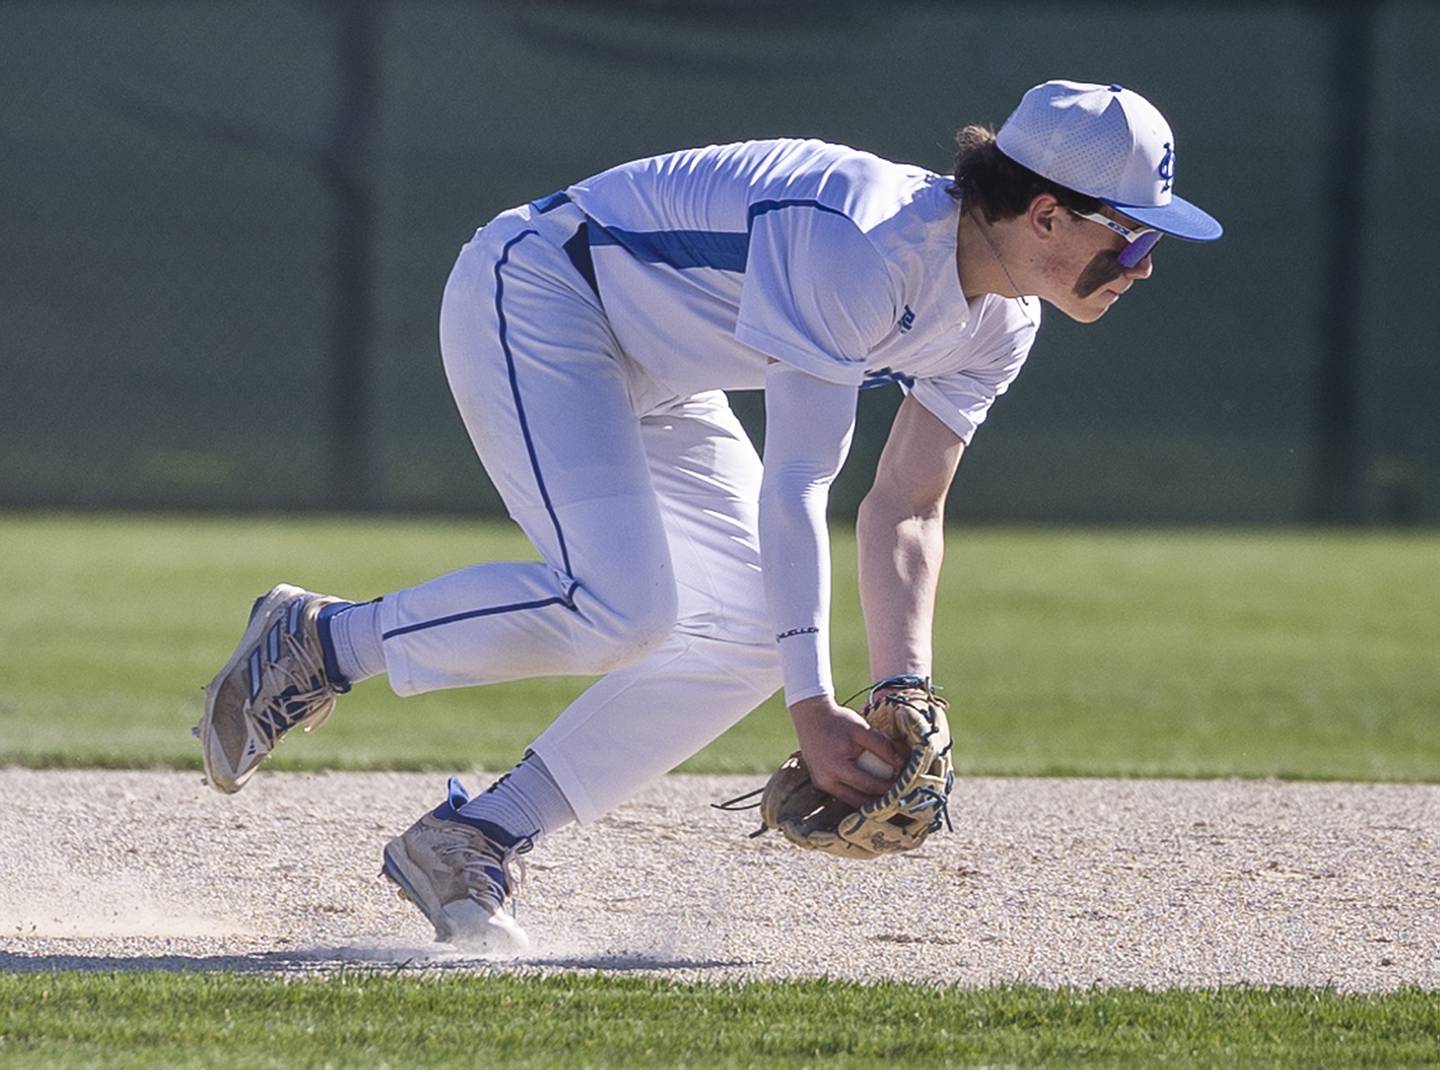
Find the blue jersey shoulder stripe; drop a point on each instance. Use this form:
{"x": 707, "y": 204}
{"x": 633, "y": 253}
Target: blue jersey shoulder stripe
{"x": 761, "y": 207}
{"x": 725, "y": 250}
{"x": 679, "y": 248}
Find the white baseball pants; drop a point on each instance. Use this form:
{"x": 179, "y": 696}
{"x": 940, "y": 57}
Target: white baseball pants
{"x": 642, "y": 505}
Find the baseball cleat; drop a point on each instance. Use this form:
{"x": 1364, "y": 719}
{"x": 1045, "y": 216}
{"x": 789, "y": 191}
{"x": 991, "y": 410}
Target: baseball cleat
{"x": 276, "y": 679}
{"x": 461, "y": 873}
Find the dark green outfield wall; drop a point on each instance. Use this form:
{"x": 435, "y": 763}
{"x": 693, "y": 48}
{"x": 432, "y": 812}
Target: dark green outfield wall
{"x": 224, "y": 229}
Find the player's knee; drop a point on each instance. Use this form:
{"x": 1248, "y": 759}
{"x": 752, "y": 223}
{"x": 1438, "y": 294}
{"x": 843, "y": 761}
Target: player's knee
{"x": 644, "y": 635}
{"x": 630, "y": 622}
{"x": 650, "y": 616}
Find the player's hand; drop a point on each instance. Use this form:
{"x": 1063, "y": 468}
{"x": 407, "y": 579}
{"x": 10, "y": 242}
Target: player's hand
{"x": 831, "y": 738}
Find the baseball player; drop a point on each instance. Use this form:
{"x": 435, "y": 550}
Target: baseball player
{"x": 588, "y": 339}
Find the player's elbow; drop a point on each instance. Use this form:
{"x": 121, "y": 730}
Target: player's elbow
{"x": 889, "y": 507}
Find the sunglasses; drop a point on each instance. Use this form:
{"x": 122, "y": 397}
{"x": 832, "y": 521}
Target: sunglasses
{"x": 1139, "y": 240}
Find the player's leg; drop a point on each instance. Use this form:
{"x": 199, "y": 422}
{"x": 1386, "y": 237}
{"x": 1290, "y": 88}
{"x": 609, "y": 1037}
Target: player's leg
{"x": 533, "y": 369}
{"x": 639, "y": 721}
{"x": 532, "y": 365}
{"x": 581, "y": 490}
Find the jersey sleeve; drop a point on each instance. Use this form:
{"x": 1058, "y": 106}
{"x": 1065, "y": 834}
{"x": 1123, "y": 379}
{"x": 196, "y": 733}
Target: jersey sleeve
{"x": 961, "y": 400}
{"x": 817, "y": 295}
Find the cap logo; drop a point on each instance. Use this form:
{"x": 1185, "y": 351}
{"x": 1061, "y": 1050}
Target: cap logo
{"x": 1167, "y": 168}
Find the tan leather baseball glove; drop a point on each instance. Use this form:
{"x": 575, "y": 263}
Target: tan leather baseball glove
{"x": 908, "y": 710}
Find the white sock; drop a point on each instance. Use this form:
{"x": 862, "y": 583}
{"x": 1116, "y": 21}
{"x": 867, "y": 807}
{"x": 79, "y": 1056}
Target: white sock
{"x": 524, "y": 802}
{"x": 355, "y": 635}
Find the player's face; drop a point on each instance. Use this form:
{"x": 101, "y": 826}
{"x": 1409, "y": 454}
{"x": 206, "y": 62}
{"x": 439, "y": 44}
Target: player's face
{"x": 1084, "y": 269}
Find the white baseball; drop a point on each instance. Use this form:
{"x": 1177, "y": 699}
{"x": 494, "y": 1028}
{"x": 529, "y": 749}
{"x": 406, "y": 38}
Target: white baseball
{"x": 876, "y": 766}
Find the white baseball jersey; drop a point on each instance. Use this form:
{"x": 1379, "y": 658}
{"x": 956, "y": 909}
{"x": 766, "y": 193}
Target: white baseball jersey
{"x": 821, "y": 256}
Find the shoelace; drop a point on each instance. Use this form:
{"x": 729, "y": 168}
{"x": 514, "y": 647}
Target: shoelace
{"x": 309, "y": 699}
{"x": 478, "y": 855}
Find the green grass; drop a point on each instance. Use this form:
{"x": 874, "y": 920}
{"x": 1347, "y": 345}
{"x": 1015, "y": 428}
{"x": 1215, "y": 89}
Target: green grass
{"x": 68, "y": 1019}
{"x": 1095, "y": 652}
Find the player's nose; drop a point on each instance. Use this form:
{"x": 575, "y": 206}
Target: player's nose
{"x": 1141, "y": 270}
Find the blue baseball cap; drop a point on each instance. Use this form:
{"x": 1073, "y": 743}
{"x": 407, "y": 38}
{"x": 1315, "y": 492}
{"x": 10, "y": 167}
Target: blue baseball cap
{"x": 1107, "y": 142}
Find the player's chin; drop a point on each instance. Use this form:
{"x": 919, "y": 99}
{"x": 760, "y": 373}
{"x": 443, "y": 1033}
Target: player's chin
{"x": 1088, "y": 311}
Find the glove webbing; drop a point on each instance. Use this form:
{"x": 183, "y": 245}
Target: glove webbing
{"x": 938, "y": 800}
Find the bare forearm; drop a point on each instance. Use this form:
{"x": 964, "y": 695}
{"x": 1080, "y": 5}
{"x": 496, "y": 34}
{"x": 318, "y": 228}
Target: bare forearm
{"x": 899, "y": 572}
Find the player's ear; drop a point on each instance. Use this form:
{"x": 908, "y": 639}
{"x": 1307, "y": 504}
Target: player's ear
{"x": 1043, "y": 215}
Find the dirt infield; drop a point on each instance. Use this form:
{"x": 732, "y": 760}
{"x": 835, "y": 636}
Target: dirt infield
{"x": 1051, "y": 882}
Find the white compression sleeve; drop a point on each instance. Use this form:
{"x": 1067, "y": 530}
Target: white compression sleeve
{"x": 808, "y": 426}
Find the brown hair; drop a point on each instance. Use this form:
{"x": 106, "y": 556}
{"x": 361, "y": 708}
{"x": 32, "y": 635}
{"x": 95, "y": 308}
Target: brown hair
{"x": 988, "y": 180}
